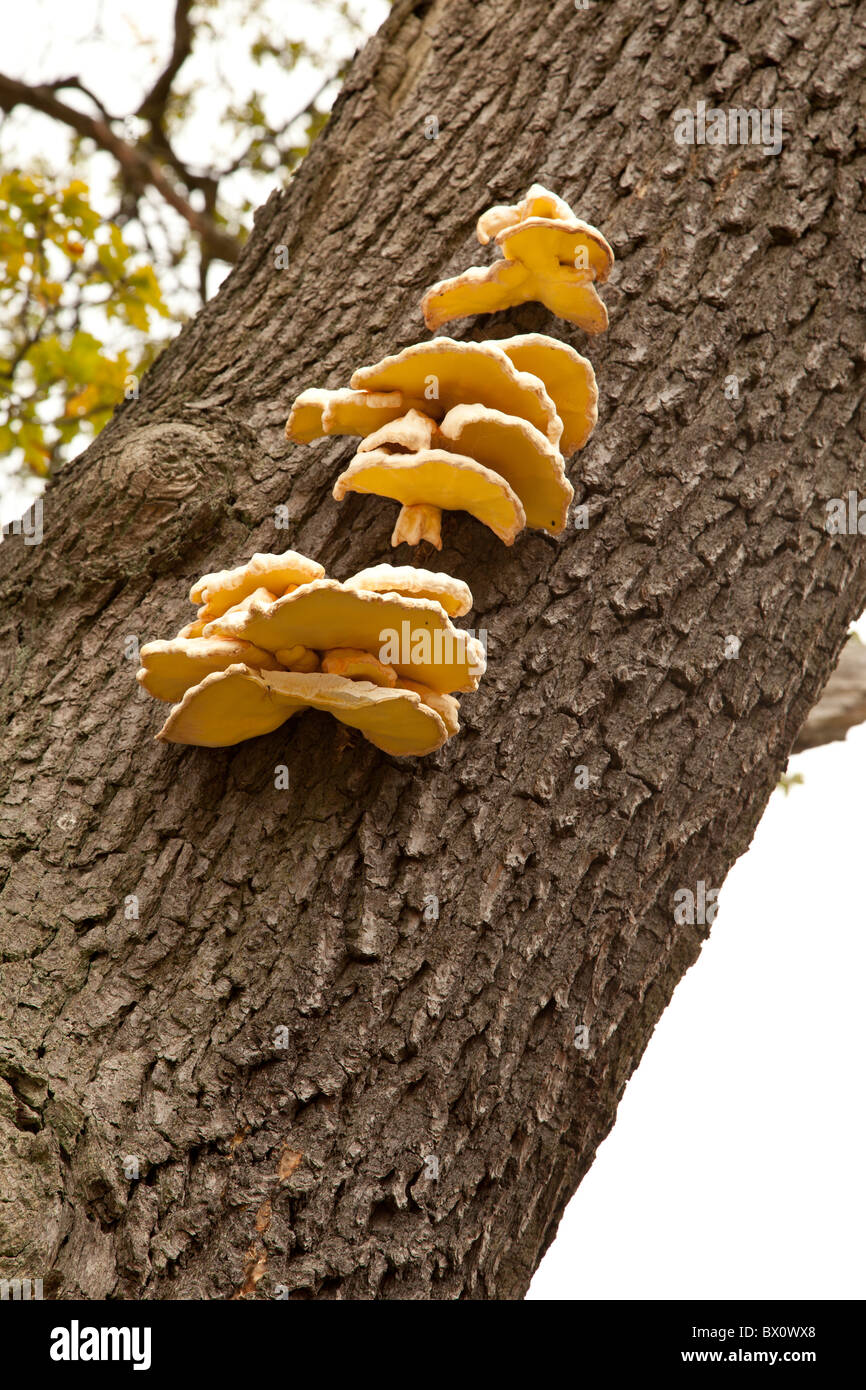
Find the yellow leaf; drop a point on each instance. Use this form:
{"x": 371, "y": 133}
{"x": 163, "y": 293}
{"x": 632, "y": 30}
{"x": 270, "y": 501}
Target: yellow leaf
{"x": 82, "y": 401}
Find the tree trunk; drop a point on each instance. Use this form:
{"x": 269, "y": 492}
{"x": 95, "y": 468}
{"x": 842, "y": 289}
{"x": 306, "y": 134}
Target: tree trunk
{"x": 286, "y": 1040}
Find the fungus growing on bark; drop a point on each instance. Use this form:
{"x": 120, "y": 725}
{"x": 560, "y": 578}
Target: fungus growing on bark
{"x": 168, "y": 669}
{"x": 454, "y": 596}
{"x": 445, "y": 705}
{"x": 408, "y": 434}
{"x": 482, "y": 435}
{"x": 196, "y": 628}
{"x": 233, "y": 705}
{"x": 538, "y": 202}
{"x": 325, "y": 614}
{"x": 227, "y": 588}
{"x": 530, "y": 465}
{"x": 324, "y": 645}
{"x": 549, "y": 255}
{"x": 430, "y": 482}
{"x": 444, "y": 373}
{"x": 317, "y": 412}
{"x": 498, "y": 467}
{"x": 568, "y": 379}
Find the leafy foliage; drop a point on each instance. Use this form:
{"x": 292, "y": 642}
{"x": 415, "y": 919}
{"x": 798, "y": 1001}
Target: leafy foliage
{"x": 63, "y": 269}
{"x": 84, "y": 284}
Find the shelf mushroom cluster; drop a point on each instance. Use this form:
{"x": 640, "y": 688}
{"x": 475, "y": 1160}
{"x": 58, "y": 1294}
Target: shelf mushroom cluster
{"x": 462, "y": 426}
{"x": 548, "y": 254}
{"x": 480, "y": 427}
{"x": 275, "y": 636}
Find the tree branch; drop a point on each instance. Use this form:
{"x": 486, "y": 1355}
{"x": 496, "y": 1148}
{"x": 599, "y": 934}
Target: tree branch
{"x": 843, "y": 703}
{"x": 153, "y": 110}
{"x": 61, "y": 84}
{"x": 137, "y": 169}
{"x": 152, "y": 107}
{"x": 308, "y": 109}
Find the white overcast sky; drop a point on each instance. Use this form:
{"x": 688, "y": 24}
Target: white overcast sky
{"x": 735, "y": 1168}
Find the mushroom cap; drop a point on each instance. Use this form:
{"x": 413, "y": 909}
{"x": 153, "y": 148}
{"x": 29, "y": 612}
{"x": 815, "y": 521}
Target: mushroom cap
{"x": 318, "y": 412}
{"x": 459, "y": 372}
{"x": 410, "y": 432}
{"x": 454, "y": 596}
{"x": 298, "y": 658}
{"x": 168, "y": 669}
{"x": 482, "y": 289}
{"x": 227, "y": 707}
{"x": 539, "y": 265}
{"x": 305, "y": 417}
{"x": 445, "y": 706}
{"x": 224, "y": 589}
{"x": 571, "y": 295}
{"x": 439, "y": 478}
{"x": 195, "y": 628}
{"x": 527, "y": 461}
{"x": 568, "y": 378}
{"x": 324, "y": 614}
{"x": 230, "y": 706}
{"x": 206, "y": 614}
{"x": 261, "y": 595}
{"x": 355, "y": 664}
{"x": 566, "y": 292}
{"x": 539, "y": 240}
{"x": 537, "y": 202}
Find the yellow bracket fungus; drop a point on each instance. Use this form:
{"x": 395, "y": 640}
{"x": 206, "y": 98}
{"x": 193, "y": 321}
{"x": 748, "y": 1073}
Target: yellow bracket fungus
{"x": 436, "y": 480}
{"x": 414, "y": 460}
{"x": 454, "y": 596}
{"x": 498, "y": 467}
{"x": 406, "y": 435}
{"x": 221, "y": 591}
{"x": 549, "y": 255}
{"x": 317, "y": 412}
{"x": 527, "y": 461}
{"x": 205, "y": 613}
{"x": 444, "y": 373}
{"x": 538, "y": 202}
{"x": 170, "y": 668}
{"x": 444, "y": 425}
{"x": 379, "y": 652}
{"x": 445, "y": 705}
{"x": 233, "y": 705}
{"x": 499, "y": 409}
{"x": 325, "y": 614}
{"x": 568, "y": 379}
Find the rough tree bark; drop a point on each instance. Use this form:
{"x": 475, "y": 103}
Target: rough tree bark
{"x": 154, "y": 1037}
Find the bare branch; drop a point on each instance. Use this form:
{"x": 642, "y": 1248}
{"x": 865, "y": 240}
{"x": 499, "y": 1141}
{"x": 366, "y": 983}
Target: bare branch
{"x": 61, "y": 84}
{"x": 843, "y": 703}
{"x": 152, "y": 107}
{"x": 308, "y": 109}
